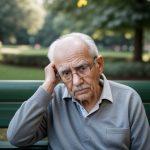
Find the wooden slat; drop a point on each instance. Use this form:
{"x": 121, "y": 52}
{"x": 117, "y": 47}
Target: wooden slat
{"x": 147, "y": 109}
{"x": 17, "y": 90}
{"x": 7, "y": 111}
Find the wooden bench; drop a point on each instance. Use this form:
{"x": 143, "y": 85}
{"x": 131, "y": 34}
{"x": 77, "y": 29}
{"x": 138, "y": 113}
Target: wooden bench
{"x": 13, "y": 93}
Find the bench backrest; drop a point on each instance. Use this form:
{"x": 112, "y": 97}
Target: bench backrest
{"x": 14, "y": 92}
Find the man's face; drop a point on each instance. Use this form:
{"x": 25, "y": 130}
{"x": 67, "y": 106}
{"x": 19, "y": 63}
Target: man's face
{"x": 72, "y": 58}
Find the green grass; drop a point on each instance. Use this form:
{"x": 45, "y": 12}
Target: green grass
{"x": 3, "y": 134}
{"x": 12, "y": 72}
{"x": 8, "y": 72}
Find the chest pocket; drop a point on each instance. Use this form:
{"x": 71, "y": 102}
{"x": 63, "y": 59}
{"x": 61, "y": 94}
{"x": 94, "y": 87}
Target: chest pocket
{"x": 118, "y": 138}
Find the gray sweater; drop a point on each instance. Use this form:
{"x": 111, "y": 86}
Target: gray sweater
{"x": 120, "y": 123}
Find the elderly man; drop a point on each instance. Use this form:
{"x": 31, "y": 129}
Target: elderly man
{"x": 84, "y": 111}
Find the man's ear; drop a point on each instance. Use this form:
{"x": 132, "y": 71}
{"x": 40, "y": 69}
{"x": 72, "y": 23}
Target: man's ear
{"x": 100, "y": 63}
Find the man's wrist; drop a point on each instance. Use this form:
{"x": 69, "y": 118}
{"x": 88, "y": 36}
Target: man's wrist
{"x": 48, "y": 87}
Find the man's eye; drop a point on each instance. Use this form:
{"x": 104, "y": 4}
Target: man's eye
{"x": 65, "y": 73}
{"x": 83, "y": 67}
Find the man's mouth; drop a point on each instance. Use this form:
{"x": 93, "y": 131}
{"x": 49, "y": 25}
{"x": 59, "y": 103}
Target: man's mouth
{"x": 81, "y": 91}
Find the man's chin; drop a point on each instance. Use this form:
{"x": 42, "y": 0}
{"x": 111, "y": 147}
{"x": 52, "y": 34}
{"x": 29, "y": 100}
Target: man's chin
{"x": 82, "y": 97}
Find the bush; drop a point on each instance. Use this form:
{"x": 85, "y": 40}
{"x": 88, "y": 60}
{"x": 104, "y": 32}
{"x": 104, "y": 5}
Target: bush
{"x": 127, "y": 70}
{"x": 118, "y": 65}
{"x": 116, "y": 56}
{"x": 25, "y": 60}
{"x": 24, "y": 55}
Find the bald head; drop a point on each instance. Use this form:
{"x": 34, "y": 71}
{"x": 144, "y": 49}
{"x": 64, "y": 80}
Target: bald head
{"x": 67, "y": 46}
{"x": 73, "y": 41}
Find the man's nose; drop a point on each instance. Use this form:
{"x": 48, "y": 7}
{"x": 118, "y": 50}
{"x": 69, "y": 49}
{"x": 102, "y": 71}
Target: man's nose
{"x": 77, "y": 80}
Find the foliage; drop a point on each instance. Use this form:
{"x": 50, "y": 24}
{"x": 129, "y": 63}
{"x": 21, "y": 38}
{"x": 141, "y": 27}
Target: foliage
{"x": 116, "y": 15}
{"x": 147, "y": 36}
{"x": 104, "y": 14}
{"x": 118, "y": 65}
{"x": 16, "y": 15}
{"x": 48, "y": 33}
{"x": 116, "y": 56}
{"x": 37, "y": 56}
{"x": 31, "y": 56}
{"x": 131, "y": 70}
{"x": 123, "y": 14}
{"x": 25, "y": 60}
{"x": 127, "y": 70}
{"x": 25, "y": 56}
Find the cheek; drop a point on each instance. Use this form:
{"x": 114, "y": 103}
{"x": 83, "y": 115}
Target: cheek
{"x": 69, "y": 87}
{"x": 95, "y": 77}
{"x": 94, "y": 81}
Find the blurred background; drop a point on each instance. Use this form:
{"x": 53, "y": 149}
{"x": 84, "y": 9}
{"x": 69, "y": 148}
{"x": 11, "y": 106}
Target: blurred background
{"x": 121, "y": 30}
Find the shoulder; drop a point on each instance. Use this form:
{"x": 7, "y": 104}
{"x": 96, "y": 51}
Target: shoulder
{"x": 116, "y": 86}
{"x": 124, "y": 92}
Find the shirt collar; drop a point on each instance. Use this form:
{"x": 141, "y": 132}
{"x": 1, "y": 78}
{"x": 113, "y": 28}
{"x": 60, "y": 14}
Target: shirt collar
{"x": 106, "y": 91}
{"x": 66, "y": 94}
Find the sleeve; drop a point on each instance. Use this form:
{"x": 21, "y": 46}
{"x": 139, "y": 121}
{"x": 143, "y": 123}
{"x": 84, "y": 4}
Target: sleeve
{"x": 29, "y": 124}
{"x": 140, "y": 130}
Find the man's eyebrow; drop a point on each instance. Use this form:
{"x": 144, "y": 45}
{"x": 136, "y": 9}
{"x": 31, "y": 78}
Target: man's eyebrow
{"x": 80, "y": 65}
{"x": 63, "y": 69}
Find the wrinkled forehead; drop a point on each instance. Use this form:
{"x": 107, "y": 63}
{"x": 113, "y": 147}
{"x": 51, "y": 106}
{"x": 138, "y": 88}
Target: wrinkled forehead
{"x": 70, "y": 47}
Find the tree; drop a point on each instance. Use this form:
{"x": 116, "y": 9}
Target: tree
{"x": 133, "y": 15}
{"x": 129, "y": 14}
{"x": 18, "y": 15}
{"x": 48, "y": 33}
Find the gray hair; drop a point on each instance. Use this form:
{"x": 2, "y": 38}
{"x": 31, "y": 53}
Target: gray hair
{"x": 85, "y": 38}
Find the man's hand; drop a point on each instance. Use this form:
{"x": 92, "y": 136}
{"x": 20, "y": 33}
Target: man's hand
{"x": 51, "y": 79}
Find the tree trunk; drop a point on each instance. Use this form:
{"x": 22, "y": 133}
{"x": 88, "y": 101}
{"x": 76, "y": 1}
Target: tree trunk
{"x": 138, "y": 37}
{"x": 1, "y": 36}
{"x": 138, "y": 44}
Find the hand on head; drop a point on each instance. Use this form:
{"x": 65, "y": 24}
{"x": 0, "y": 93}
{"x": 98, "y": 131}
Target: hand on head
{"x": 51, "y": 79}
